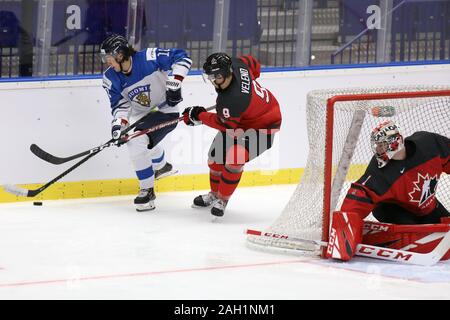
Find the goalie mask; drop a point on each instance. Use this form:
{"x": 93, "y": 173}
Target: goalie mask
{"x": 217, "y": 64}
{"x": 386, "y": 141}
{"x": 113, "y": 45}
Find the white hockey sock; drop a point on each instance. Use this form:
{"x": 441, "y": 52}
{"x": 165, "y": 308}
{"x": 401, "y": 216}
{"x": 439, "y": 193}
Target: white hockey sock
{"x": 158, "y": 157}
{"x": 141, "y": 158}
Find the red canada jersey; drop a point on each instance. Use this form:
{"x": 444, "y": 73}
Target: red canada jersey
{"x": 410, "y": 183}
{"x": 244, "y": 104}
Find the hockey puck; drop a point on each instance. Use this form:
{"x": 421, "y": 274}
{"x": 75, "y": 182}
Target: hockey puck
{"x": 37, "y": 203}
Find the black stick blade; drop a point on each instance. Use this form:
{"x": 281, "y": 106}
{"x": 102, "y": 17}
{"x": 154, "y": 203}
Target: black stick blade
{"x": 44, "y": 155}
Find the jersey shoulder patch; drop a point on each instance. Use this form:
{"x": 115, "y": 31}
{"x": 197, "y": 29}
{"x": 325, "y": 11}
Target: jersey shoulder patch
{"x": 151, "y": 54}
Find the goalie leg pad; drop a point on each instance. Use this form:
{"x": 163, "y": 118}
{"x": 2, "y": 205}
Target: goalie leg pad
{"x": 415, "y": 238}
{"x": 345, "y": 235}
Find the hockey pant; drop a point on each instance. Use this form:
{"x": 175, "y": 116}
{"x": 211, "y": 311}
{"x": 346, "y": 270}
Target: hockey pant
{"x": 228, "y": 155}
{"x": 145, "y": 153}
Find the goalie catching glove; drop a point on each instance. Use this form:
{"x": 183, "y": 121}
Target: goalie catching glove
{"x": 117, "y": 126}
{"x": 345, "y": 235}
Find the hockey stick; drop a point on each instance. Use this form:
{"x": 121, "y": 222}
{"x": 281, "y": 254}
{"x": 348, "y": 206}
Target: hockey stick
{"x": 31, "y": 193}
{"x": 365, "y": 250}
{"x": 157, "y": 127}
{"x": 44, "y": 155}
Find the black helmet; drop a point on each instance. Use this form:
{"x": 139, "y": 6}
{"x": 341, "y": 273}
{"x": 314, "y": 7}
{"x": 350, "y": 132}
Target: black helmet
{"x": 218, "y": 63}
{"x": 113, "y": 45}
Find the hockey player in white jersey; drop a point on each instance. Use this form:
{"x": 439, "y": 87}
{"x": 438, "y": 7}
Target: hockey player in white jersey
{"x": 138, "y": 83}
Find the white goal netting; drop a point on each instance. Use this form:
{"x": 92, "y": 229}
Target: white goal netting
{"x": 352, "y": 123}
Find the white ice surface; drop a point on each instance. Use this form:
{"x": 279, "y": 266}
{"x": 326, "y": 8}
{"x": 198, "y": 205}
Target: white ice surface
{"x": 103, "y": 249}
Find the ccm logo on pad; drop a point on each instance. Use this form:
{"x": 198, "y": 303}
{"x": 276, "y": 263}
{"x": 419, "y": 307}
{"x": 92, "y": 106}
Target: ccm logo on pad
{"x": 382, "y": 252}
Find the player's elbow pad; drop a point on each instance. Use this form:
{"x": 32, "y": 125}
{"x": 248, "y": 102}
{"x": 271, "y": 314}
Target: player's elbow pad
{"x": 345, "y": 235}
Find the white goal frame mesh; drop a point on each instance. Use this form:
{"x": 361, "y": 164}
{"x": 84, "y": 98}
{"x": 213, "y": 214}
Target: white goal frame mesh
{"x": 339, "y": 122}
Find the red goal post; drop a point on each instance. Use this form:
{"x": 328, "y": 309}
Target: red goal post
{"x": 347, "y": 117}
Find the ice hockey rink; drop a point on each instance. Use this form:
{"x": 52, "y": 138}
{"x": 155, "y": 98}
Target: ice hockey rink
{"x": 103, "y": 249}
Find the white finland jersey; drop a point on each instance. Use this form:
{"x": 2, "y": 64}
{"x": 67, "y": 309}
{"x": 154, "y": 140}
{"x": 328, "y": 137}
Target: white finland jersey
{"x": 135, "y": 94}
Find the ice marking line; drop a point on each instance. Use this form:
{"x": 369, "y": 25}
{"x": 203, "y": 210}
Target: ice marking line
{"x": 149, "y": 273}
{"x": 312, "y": 262}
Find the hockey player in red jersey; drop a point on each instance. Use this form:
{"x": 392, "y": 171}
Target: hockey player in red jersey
{"x": 248, "y": 116}
{"x": 398, "y": 188}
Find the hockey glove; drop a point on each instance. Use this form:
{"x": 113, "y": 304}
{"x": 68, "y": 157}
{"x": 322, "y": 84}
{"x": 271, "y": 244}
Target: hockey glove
{"x": 117, "y": 126}
{"x": 345, "y": 235}
{"x": 173, "y": 92}
{"x": 190, "y": 115}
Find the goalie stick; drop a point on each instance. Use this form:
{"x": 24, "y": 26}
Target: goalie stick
{"x": 364, "y": 250}
{"x": 18, "y": 191}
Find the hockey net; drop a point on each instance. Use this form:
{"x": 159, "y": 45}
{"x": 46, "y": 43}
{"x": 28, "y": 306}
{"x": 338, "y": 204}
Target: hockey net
{"x": 339, "y": 123}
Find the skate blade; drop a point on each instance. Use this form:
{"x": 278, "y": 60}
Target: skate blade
{"x": 167, "y": 174}
{"x": 145, "y": 207}
{"x": 200, "y": 207}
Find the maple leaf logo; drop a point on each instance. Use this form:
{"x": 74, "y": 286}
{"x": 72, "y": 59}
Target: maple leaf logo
{"x": 424, "y": 188}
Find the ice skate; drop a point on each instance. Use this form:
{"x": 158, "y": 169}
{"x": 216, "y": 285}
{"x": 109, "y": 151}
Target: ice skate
{"x": 165, "y": 171}
{"x": 204, "y": 200}
{"x": 144, "y": 200}
{"x": 218, "y": 208}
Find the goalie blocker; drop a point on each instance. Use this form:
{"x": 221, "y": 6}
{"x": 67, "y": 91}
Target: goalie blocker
{"x": 348, "y": 231}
